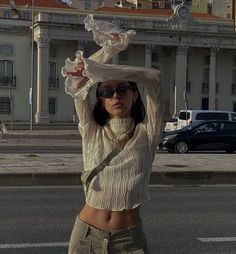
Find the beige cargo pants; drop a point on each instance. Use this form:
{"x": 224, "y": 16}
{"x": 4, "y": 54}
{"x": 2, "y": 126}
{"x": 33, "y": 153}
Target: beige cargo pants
{"x": 86, "y": 239}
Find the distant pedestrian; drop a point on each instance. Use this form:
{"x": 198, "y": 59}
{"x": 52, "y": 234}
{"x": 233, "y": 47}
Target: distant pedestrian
{"x": 119, "y": 140}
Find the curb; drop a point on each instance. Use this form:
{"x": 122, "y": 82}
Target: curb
{"x": 157, "y": 178}
{"x": 22, "y": 149}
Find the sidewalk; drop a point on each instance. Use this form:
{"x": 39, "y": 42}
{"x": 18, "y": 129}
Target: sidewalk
{"x": 26, "y": 167}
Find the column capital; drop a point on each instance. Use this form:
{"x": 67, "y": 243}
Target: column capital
{"x": 214, "y": 50}
{"x": 182, "y": 50}
{"x": 42, "y": 42}
{"x": 148, "y": 48}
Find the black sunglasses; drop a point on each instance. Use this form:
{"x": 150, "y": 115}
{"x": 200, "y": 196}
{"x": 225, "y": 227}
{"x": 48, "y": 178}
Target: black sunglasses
{"x": 109, "y": 93}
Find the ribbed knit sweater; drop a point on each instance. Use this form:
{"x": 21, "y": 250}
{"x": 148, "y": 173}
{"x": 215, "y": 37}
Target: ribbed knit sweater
{"x": 123, "y": 184}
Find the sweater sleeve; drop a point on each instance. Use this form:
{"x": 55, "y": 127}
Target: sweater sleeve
{"x": 81, "y": 95}
{"x": 149, "y": 78}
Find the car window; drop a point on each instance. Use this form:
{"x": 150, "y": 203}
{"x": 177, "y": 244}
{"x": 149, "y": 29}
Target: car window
{"x": 229, "y": 126}
{"x": 190, "y": 127}
{"x": 233, "y": 116}
{"x": 212, "y": 116}
{"x": 184, "y": 115}
{"x": 207, "y": 127}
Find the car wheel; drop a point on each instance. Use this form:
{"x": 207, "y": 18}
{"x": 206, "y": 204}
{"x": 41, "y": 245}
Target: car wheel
{"x": 181, "y": 147}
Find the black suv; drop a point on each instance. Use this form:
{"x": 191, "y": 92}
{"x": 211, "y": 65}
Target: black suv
{"x": 205, "y": 135}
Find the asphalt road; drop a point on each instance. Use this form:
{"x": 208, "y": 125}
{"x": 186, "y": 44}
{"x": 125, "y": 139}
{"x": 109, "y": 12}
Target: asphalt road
{"x": 178, "y": 220}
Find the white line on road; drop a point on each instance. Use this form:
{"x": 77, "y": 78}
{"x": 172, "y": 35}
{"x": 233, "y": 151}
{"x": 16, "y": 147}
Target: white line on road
{"x": 32, "y": 245}
{"x": 42, "y": 187}
{"x": 218, "y": 239}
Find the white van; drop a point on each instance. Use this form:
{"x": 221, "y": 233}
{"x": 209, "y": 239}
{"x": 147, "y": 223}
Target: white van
{"x": 187, "y": 117}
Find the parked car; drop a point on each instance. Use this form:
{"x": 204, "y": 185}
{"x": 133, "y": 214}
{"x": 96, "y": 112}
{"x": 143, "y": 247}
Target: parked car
{"x": 205, "y": 135}
{"x": 187, "y": 117}
{"x": 171, "y": 125}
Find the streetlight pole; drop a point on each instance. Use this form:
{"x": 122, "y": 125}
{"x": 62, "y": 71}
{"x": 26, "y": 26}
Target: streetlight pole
{"x": 31, "y": 93}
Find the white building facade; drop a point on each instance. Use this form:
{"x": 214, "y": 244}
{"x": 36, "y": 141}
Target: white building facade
{"x": 195, "y": 54}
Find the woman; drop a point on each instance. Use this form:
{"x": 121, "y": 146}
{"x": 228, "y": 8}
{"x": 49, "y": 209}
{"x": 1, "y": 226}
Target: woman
{"x": 119, "y": 143}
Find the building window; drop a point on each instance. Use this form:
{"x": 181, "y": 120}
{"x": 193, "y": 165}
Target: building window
{"x": 6, "y": 14}
{"x": 52, "y": 106}
{"x": 234, "y": 107}
{"x": 6, "y": 50}
{"x": 26, "y": 15}
{"x": 87, "y": 5}
{"x": 154, "y": 57}
{"x": 233, "y": 87}
{"x": 161, "y": 4}
{"x": 205, "y": 81}
{"x": 188, "y": 86}
{"x": 205, "y": 103}
{"x": 209, "y": 8}
{"x": 228, "y": 15}
{"x": 188, "y": 83}
{"x": 6, "y": 73}
{"x": 234, "y": 61}
{"x": 206, "y": 60}
{"x": 155, "y": 5}
{"x": 139, "y": 5}
{"x": 100, "y": 3}
{"x": 53, "y": 79}
{"x": 217, "y": 88}
{"x": 5, "y": 105}
{"x": 205, "y": 88}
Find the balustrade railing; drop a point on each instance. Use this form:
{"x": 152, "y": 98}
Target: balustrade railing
{"x": 137, "y": 23}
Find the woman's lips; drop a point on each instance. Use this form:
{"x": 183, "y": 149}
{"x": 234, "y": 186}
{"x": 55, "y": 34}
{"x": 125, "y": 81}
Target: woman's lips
{"x": 117, "y": 105}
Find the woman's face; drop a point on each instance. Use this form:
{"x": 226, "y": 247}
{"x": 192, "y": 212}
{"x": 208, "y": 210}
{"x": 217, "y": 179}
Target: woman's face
{"x": 118, "y": 98}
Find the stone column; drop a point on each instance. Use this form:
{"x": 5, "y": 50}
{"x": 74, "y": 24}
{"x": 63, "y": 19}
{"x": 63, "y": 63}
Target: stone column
{"x": 42, "y": 115}
{"x": 167, "y": 80}
{"x": 180, "y": 78}
{"x": 148, "y": 56}
{"x": 212, "y": 79}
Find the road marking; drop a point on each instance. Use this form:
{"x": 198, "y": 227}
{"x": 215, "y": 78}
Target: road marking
{"x": 32, "y": 245}
{"x": 42, "y": 187}
{"x": 218, "y": 239}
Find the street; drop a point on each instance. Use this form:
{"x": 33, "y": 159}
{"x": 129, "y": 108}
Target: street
{"x": 178, "y": 220}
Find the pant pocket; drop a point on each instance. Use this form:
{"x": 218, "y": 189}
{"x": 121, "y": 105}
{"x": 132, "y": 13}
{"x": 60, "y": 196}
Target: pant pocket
{"x": 83, "y": 247}
{"x": 78, "y": 243}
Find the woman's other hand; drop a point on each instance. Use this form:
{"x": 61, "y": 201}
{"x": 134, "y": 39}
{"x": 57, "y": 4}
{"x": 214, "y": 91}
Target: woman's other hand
{"x": 78, "y": 70}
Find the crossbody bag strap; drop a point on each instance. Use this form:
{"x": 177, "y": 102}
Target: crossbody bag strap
{"x": 100, "y": 167}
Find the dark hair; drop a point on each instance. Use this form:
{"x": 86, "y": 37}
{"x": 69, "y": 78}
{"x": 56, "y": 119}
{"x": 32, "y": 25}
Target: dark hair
{"x": 100, "y": 114}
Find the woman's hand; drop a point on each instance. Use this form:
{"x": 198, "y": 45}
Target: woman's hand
{"x": 78, "y": 72}
{"x": 79, "y": 68}
{"x": 116, "y": 37}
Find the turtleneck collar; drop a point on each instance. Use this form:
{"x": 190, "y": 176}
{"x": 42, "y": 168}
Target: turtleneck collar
{"x": 121, "y": 126}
